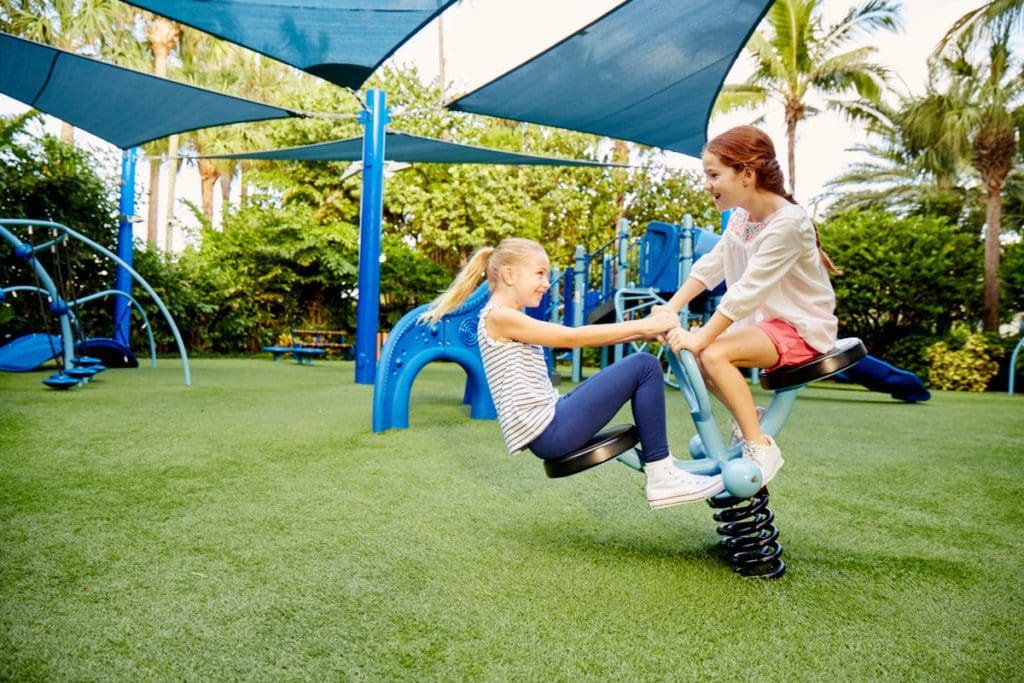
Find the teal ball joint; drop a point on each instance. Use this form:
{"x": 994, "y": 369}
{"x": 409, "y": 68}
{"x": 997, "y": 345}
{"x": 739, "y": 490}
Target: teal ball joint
{"x": 742, "y": 478}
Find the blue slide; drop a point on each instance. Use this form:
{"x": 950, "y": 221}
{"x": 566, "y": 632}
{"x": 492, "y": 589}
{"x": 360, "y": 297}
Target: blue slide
{"x": 877, "y": 375}
{"x": 29, "y": 352}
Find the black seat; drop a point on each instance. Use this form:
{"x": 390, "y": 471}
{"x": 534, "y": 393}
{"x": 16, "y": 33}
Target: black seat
{"x": 847, "y": 352}
{"x": 606, "y": 445}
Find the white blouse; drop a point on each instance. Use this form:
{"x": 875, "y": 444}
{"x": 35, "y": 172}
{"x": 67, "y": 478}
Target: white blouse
{"x": 773, "y": 271}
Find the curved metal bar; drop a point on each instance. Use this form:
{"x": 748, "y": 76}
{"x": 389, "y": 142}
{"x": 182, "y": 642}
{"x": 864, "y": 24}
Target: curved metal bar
{"x": 67, "y": 339}
{"x": 46, "y": 245}
{"x": 39, "y": 290}
{"x": 119, "y": 261}
{"x": 138, "y": 307}
{"x": 1013, "y": 364}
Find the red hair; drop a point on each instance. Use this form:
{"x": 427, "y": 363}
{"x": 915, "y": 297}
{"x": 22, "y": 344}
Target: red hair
{"x": 746, "y": 147}
{"x": 750, "y": 147}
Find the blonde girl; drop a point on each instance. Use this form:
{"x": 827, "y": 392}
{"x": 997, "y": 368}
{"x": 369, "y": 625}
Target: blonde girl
{"x": 531, "y": 413}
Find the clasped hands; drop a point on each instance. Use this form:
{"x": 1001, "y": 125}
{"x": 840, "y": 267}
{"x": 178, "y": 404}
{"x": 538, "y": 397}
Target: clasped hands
{"x": 674, "y": 334}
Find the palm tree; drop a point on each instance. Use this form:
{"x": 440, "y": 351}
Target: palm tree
{"x": 227, "y": 68}
{"x": 903, "y": 178}
{"x": 796, "y": 56}
{"x": 162, "y": 35}
{"x": 980, "y": 114}
{"x": 982, "y": 21}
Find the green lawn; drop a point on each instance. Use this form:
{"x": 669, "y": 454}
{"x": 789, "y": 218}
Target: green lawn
{"x": 252, "y": 527}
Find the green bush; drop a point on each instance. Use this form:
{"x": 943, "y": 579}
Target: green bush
{"x": 902, "y": 276}
{"x": 1001, "y": 382}
{"x": 968, "y": 368}
{"x": 909, "y": 353}
{"x": 1011, "y": 272}
{"x": 42, "y": 178}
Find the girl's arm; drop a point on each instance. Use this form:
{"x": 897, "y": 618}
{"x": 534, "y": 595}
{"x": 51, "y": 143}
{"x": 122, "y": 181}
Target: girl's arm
{"x": 506, "y": 323}
{"x": 684, "y": 295}
{"x": 707, "y": 273}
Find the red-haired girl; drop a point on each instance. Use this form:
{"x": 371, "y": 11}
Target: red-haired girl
{"x": 779, "y": 306}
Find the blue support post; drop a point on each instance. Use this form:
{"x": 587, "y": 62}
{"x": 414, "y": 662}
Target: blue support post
{"x": 556, "y": 296}
{"x": 620, "y": 270}
{"x": 621, "y": 276}
{"x": 371, "y": 208}
{"x": 685, "y": 262}
{"x": 125, "y": 246}
{"x": 578, "y": 292}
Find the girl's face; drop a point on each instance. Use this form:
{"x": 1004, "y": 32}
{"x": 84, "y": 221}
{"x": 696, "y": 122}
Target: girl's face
{"x": 728, "y": 186}
{"x": 529, "y": 279}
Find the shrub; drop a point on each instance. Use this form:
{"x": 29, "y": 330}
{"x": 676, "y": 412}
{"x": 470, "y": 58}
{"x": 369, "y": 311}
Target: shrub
{"x": 902, "y": 276}
{"x": 968, "y": 368}
{"x": 909, "y": 353}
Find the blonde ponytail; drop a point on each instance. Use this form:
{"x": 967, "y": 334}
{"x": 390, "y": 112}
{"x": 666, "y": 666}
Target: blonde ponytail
{"x": 458, "y": 291}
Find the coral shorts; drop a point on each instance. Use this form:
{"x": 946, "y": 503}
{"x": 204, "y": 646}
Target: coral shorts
{"x": 792, "y": 348}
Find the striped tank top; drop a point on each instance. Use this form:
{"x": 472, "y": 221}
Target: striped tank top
{"x": 517, "y": 375}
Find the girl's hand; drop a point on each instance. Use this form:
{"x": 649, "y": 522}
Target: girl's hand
{"x": 659, "y": 321}
{"x": 679, "y": 338}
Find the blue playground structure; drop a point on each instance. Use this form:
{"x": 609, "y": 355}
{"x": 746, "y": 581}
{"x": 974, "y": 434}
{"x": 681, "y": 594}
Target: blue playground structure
{"x": 411, "y": 345}
{"x": 29, "y": 351}
{"x": 79, "y": 357}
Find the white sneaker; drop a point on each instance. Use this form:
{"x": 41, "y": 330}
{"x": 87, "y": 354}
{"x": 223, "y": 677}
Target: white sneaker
{"x": 668, "y": 485}
{"x": 736, "y": 434}
{"x": 767, "y": 457}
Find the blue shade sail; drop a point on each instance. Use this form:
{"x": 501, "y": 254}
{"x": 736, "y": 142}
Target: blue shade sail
{"x": 341, "y": 41}
{"x": 412, "y": 149}
{"x": 124, "y": 107}
{"x": 648, "y": 71}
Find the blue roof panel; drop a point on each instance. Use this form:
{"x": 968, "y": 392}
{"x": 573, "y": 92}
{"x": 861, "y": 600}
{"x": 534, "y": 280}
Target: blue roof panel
{"x": 342, "y": 41}
{"x": 114, "y": 103}
{"x": 413, "y": 149}
{"x": 648, "y": 71}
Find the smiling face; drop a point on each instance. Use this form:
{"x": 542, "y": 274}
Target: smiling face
{"x": 724, "y": 183}
{"x": 528, "y": 279}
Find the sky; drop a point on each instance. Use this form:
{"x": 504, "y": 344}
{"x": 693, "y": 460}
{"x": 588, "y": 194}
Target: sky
{"x": 484, "y": 38}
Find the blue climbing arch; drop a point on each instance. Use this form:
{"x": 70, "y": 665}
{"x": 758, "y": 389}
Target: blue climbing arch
{"x": 412, "y": 344}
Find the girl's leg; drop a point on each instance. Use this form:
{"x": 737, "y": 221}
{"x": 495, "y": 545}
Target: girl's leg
{"x": 750, "y": 347}
{"x": 589, "y": 407}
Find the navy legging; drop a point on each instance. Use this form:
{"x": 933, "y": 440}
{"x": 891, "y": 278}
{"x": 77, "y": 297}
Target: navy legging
{"x": 585, "y": 410}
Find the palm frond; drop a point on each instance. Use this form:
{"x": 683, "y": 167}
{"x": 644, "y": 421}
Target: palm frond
{"x": 868, "y": 17}
{"x": 743, "y": 97}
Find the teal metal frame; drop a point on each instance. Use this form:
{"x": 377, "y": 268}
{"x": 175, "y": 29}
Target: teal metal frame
{"x": 68, "y": 339}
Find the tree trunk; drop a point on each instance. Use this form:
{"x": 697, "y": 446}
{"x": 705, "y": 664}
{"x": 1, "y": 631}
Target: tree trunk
{"x": 225, "y": 190}
{"x": 993, "y": 218}
{"x": 67, "y": 133}
{"x": 208, "y": 178}
{"x": 152, "y": 229}
{"x": 791, "y": 145}
{"x": 994, "y": 147}
{"x": 243, "y": 189}
{"x": 162, "y": 36}
{"x": 172, "y": 155}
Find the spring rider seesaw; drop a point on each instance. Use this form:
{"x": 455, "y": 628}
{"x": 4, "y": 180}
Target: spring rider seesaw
{"x": 750, "y": 539}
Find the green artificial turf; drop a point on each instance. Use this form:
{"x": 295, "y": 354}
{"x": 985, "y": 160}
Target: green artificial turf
{"x": 252, "y": 527}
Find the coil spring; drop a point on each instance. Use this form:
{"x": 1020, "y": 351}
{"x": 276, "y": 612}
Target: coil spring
{"x": 750, "y": 539}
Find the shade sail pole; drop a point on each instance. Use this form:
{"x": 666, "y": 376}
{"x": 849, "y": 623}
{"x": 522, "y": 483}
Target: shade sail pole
{"x": 126, "y": 209}
{"x": 371, "y": 208}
